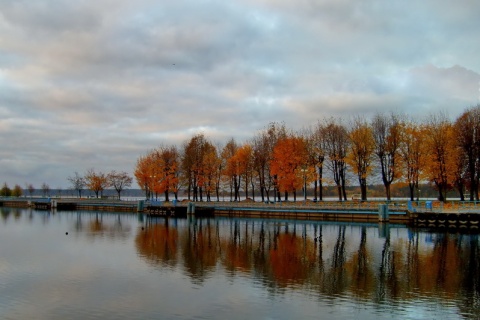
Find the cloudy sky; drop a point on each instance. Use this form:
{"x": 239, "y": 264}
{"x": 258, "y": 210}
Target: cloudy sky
{"x": 97, "y": 83}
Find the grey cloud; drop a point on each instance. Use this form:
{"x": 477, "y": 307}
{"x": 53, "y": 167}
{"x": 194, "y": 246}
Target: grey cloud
{"x": 98, "y": 83}
{"x": 431, "y": 88}
{"x": 47, "y": 17}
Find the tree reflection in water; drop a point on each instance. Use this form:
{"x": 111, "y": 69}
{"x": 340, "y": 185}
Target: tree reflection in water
{"x": 158, "y": 244}
{"x": 327, "y": 259}
{"x": 101, "y": 224}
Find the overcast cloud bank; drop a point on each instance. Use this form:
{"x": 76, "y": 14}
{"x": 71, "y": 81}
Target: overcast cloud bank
{"x": 96, "y": 84}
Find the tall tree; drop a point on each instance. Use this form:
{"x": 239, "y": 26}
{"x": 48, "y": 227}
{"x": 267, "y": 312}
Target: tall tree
{"x": 168, "y": 164}
{"x": 158, "y": 172}
{"x": 311, "y": 141}
{"x": 5, "y": 191}
{"x": 290, "y": 164}
{"x": 96, "y": 181}
{"x": 219, "y": 171}
{"x": 442, "y": 154}
{"x": 231, "y": 170}
{"x": 262, "y": 145}
{"x": 460, "y": 181}
{"x": 467, "y": 127}
{"x": 192, "y": 165}
{"x": 77, "y": 182}
{"x": 119, "y": 180}
{"x": 211, "y": 165}
{"x": 386, "y": 135}
{"x": 30, "y": 189}
{"x": 275, "y": 132}
{"x": 244, "y": 158}
{"x": 336, "y": 146}
{"x": 361, "y": 152}
{"x": 412, "y": 152}
{"x": 319, "y": 154}
{"x": 17, "y": 191}
{"x": 45, "y": 189}
{"x": 143, "y": 173}
{"x": 261, "y": 161}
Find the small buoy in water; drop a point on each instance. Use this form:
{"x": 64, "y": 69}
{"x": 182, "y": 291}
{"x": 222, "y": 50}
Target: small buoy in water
{"x": 66, "y": 233}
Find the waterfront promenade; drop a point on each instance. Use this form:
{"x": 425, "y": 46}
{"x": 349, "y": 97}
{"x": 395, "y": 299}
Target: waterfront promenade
{"x": 396, "y": 211}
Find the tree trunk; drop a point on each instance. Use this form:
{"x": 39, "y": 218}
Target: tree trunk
{"x": 344, "y": 191}
{"x": 473, "y": 178}
{"x": 320, "y": 183}
{"x": 246, "y": 187}
{"x": 235, "y": 189}
{"x": 339, "y": 189}
{"x": 411, "y": 188}
{"x": 440, "y": 192}
{"x": 262, "y": 187}
{"x": 475, "y": 191}
{"x": 388, "y": 191}
{"x": 253, "y": 190}
{"x": 363, "y": 191}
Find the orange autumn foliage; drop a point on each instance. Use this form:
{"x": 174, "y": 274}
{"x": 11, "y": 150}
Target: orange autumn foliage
{"x": 289, "y": 163}
{"x": 96, "y": 181}
{"x": 211, "y": 164}
{"x": 412, "y": 151}
{"x": 157, "y": 171}
{"x": 442, "y": 154}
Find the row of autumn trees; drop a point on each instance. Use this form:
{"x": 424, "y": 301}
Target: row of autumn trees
{"x": 17, "y": 191}
{"x": 391, "y": 148}
{"x": 98, "y": 181}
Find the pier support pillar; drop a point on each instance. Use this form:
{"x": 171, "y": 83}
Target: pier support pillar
{"x": 140, "y": 205}
{"x": 191, "y": 208}
{"x": 383, "y": 215}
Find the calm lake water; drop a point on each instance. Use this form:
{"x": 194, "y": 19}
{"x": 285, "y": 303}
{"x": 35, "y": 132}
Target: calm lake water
{"x": 88, "y": 265}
